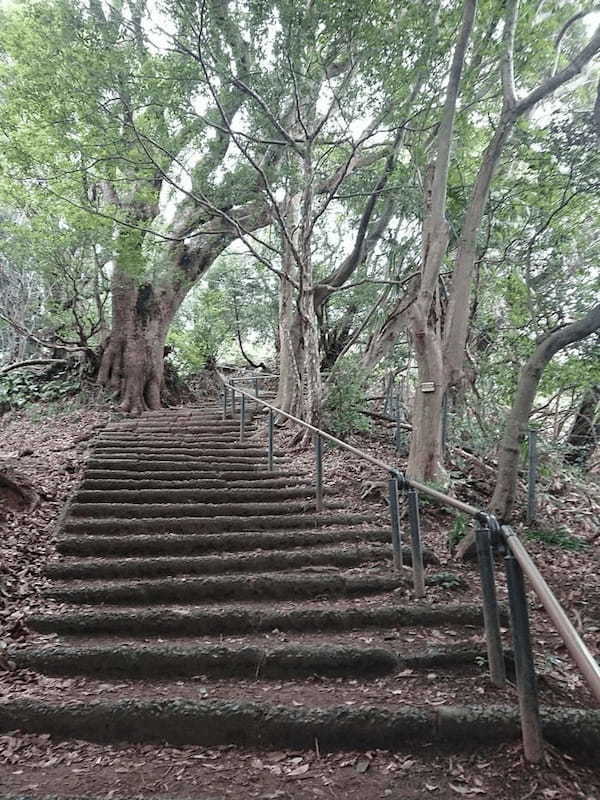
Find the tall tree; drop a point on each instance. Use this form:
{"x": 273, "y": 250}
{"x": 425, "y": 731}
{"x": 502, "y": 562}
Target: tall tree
{"x": 440, "y": 343}
{"x": 508, "y": 461}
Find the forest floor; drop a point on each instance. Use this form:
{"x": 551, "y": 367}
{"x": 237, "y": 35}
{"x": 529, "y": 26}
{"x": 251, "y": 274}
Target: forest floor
{"x": 48, "y": 446}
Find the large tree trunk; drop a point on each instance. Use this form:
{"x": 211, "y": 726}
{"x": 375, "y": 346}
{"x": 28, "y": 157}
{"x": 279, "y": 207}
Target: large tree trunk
{"x": 289, "y": 390}
{"x": 585, "y": 433}
{"x": 425, "y": 456}
{"x": 132, "y": 361}
{"x": 518, "y": 418}
{"x": 300, "y": 391}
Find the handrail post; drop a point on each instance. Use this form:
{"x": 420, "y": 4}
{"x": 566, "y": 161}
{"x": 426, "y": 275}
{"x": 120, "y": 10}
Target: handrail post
{"x": 270, "y": 442}
{"x": 415, "y": 542}
{"x": 318, "y": 472}
{"x": 242, "y": 415}
{"x": 491, "y": 617}
{"x": 225, "y": 398}
{"x": 395, "y": 520}
{"x": 232, "y": 400}
{"x": 256, "y": 389}
{"x": 533, "y": 744}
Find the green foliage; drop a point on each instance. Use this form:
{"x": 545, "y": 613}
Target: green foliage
{"x": 19, "y": 389}
{"x": 201, "y": 334}
{"x": 560, "y": 537}
{"x": 346, "y": 399}
{"x": 459, "y": 530}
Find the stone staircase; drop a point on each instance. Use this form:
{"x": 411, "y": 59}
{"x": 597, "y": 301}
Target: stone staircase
{"x": 201, "y": 599}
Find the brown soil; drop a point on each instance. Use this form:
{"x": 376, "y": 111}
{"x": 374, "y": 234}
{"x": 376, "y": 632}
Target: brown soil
{"x": 35, "y": 766}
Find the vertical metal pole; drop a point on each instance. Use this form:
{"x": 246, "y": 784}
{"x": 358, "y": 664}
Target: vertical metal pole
{"x": 533, "y": 743}
{"x": 395, "y": 519}
{"x": 319, "y": 472}
{"x": 225, "y": 398}
{"x": 491, "y": 618}
{"x": 232, "y": 400}
{"x": 398, "y": 434}
{"x": 256, "y": 388}
{"x": 532, "y": 463}
{"x": 270, "y": 444}
{"x": 242, "y": 415}
{"x": 415, "y": 541}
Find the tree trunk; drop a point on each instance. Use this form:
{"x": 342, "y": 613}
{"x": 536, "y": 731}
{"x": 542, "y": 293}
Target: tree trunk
{"x": 290, "y": 377}
{"x": 300, "y": 391}
{"x": 132, "y": 361}
{"x": 518, "y": 418}
{"x": 16, "y": 492}
{"x": 425, "y": 455}
{"x": 456, "y": 329}
{"x": 585, "y": 433}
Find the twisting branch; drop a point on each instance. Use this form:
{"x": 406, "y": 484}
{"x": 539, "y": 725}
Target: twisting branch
{"x": 243, "y": 150}
{"x": 32, "y": 362}
{"x": 202, "y": 200}
{"x": 36, "y": 339}
{"x": 561, "y": 34}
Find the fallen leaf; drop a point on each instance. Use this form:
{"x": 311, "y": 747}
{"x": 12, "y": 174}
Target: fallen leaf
{"x": 301, "y": 770}
{"x": 467, "y": 790}
{"x": 362, "y": 765}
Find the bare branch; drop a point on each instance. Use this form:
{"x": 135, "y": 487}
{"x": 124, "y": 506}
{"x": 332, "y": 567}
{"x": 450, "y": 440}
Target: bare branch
{"x": 557, "y": 80}
{"x": 36, "y": 339}
{"x": 32, "y": 362}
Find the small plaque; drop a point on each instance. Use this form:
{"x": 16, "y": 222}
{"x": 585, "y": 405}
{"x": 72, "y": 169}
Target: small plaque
{"x": 428, "y": 386}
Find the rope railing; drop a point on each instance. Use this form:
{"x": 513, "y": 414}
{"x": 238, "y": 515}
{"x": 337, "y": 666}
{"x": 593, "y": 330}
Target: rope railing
{"x": 491, "y": 537}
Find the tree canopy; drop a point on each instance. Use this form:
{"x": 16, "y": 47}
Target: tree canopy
{"x": 366, "y": 188}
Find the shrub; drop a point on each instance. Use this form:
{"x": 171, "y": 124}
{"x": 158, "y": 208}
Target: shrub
{"x": 346, "y": 399}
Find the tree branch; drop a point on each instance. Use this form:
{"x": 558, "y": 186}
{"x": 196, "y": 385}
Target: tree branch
{"x": 32, "y": 362}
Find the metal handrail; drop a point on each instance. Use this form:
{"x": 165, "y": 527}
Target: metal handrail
{"x": 570, "y": 637}
{"x": 573, "y": 642}
{"x": 405, "y": 482}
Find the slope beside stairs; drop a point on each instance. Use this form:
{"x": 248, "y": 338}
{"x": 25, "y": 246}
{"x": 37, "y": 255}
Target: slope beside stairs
{"x": 201, "y": 599}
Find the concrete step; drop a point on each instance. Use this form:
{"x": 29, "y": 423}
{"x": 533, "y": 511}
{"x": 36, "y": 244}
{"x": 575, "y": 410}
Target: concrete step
{"x": 182, "y": 464}
{"x": 127, "y": 512}
{"x": 178, "y": 474}
{"x": 277, "y": 560}
{"x": 279, "y": 586}
{"x": 179, "y": 442}
{"x": 216, "y": 524}
{"x": 176, "y": 451}
{"x": 127, "y": 485}
{"x": 171, "y": 496}
{"x": 169, "y": 428}
{"x": 256, "y": 725}
{"x": 254, "y": 619}
{"x": 189, "y": 544}
{"x": 143, "y": 661}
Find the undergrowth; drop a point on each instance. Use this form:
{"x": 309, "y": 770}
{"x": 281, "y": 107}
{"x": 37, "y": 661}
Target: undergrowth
{"x": 558, "y": 537}
{"x": 20, "y": 389}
